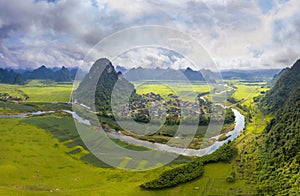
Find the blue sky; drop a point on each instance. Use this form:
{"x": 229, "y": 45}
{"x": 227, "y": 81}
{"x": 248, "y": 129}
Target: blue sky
{"x": 266, "y": 6}
{"x": 239, "y": 34}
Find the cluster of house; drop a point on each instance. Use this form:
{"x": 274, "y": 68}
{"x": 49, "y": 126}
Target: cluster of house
{"x": 7, "y": 97}
{"x": 153, "y": 104}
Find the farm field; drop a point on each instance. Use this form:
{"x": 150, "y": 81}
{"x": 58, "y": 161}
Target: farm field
{"x": 40, "y": 92}
{"x": 33, "y": 160}
{"x": 247, "y": 91}
{"x": 40, "y": 155}
{"x": 184, "y": 91}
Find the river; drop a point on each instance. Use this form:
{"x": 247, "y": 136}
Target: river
{"x": 239, "y": 126}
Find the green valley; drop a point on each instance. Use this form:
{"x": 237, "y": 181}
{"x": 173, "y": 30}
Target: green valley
{"x": 44, "y": 154}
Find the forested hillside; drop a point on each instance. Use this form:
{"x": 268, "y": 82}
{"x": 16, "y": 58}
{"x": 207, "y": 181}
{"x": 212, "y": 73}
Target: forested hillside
{"x": 278, "y": 170}
{"x": 99, "y": 84}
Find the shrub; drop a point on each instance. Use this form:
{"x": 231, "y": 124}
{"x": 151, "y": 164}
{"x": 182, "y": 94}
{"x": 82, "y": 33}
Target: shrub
{"x": 176, "y": 176}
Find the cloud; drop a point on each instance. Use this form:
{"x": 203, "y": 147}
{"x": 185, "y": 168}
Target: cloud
{"x": 237, "y": 34}
{"x": 152, "y": 57}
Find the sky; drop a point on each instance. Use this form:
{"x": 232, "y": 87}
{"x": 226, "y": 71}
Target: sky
{"x": 237, "y": 34}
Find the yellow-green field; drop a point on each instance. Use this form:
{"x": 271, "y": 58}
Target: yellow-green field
{"x": 39, "y": 92}
{"x": 245, "y": 92}
{"x": 35, "y": 163}
{"x": 184, "y": 91}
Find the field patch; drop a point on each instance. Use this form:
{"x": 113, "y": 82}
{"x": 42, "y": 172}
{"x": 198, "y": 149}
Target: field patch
{"x": 38, "y": 91}
{"x": 184, "y": 91}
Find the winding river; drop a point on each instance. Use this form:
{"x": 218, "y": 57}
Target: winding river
{"x": 239, "y": 126}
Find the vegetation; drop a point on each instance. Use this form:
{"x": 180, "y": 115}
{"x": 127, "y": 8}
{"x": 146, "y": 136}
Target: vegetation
{"x": 39, "y": 91}
{"x": 35, "y": 163}
{"x": 224, "y": 154}
{"x": 229, "y": 116}
{"x": 99, "y": 83}
{"x": 184, "y": 91}
{"x": 192, "y": 170}
{"x": 45, "y": 154}
{"x": 73, "y": 169}
{"x": 246, "y": 92}
{"x": 279, "y": 160}
{"x": 269, "y": 149}
{"x": 176, "y": 176}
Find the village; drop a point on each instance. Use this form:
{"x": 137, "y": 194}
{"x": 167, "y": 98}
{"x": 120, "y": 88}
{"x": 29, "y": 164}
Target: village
{"x": 173, "y": 109}
{"x": 5, "y": 97}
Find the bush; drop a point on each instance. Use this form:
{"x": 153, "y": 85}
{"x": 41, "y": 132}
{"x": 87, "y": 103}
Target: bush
{"x": 230, "y": 179}
{"x": 225, "y": 153}
{"x": 176, "y": 176}
{"x": 192, "y": 170}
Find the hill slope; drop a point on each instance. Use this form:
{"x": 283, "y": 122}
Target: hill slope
{"x": 99, "y": 84}
{"x": 280, "y": 155}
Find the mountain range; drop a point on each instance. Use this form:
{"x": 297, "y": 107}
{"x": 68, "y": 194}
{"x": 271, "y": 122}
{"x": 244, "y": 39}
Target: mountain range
{"x": 43, "y": 73}
{"x": 64, "y": 74}
{"x": 11, "y": 77}
{"x": 20, "y": 76}
{"x": 139, "y": 74}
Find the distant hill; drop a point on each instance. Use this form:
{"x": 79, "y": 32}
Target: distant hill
{"x": 285, "y": 86}
{"x": 42, "y": 73}
{"x": 63, "y": 75}
{"x": 10, "y": 77}
{"x": 277, "y": 76}
{"x": 209, "y": 75}
{"x": 192, "y": 75}
{"x": 261, "y": 74}
{"x": 99, "y": 84}
{"x": 140, "y": 74}
{"x": 55, "y": 74}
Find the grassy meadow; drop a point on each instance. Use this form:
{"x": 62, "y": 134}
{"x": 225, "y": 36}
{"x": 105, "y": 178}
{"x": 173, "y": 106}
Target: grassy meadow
{"x": 44, "y": 154}
{"x": 39, "y": 91}
{"x": 39, "y": 161}
{"x": 247, "y": 91}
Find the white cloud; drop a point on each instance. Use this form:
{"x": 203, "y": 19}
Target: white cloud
{"x": 61, "y": 33}
{"x": 151, "y": 57}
